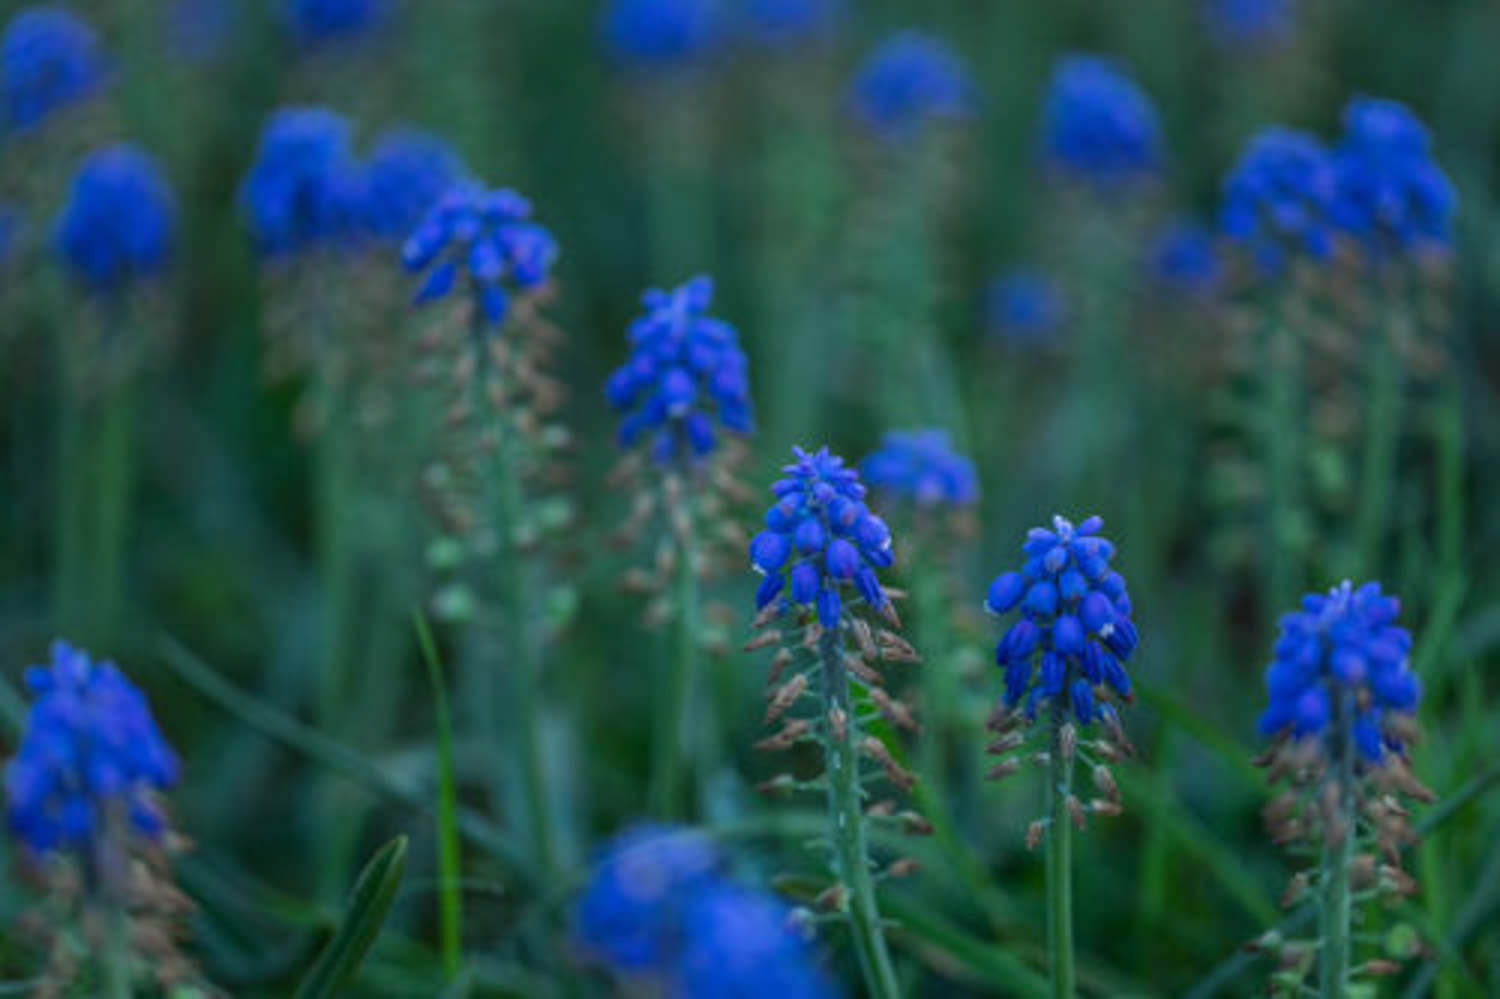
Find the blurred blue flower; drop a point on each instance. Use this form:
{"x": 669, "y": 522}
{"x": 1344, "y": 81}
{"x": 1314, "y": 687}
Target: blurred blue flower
{"x": 117, "y": 224}
{"x": 1391, "y": 194}
{"x": 1345, "y": 646}
{"x": 630, "y": 912}
{"x": 90, "y": 751}
{"x": 686, "y": 372}
{"x": 1097, "y": 125}
{"x": 1185, "y": 260}
{"x": 1025, "y": 307}
{"x": 1249, "y": 23}
{"x": 781, "y": 22}
{"x": 1279, "y": 199}
{"x": 740, "y": 945}
{"x": 48, "y": 60}
{"x": 921, "y": 466}
{"x": 661, "y": 34}
{"x": 1075, "y": 622}
{"x": 486, "y": 235}
{"x": 819, "y": 537}
{"x": 296, "y": 193}
{"x": 314, "y": 21}
{"x": 909, "y": 79}
{"x": 407, "y": 172}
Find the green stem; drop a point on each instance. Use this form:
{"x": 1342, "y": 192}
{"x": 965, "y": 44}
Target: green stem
{"x": 450, "y": 902}
{"x": 1282, "y": 547}
{"x": 1382, "y": 430}
{"x": 681, "y": 685}
{"x": 117, "y": 951}
{"x": 113, "y": 488}
{"x": 939, "y": 695}
{"x": 847, "y": 820}
{"x": 1060, "y": 860}
{"x": 1334, "y": 910}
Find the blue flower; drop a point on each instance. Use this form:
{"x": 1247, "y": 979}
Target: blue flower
{"x": 1097, "y": 125}
{"x": 314, "y": 21}
{"x": 486, "y": 235}
{"x": 48, "y": 60}
{"x": 781, "y": 22}
{"x": 1184, "y": 260}
{"x": 659, "y": 34}
{"x": 685, "y": 374}
{"x": 1075, "y": 622}
{"x": 921, "y": 465}
{"x": 740, "y": 945}
{"x": 1025, "y": 307}
{"x": 1249, "y": 23}
{"x": 1391, "y": 196}
{"x": 117, "y": 224}
{"x": 908, "y": 80}
{"x": 1279, "y": 199}
{"x": 90, "y": 751}
{"x": 630, "y": 913}
{"x": 408, "y": 171}
{"x": 1342, "y": 647}
{"x": 820, "y": 537}
{"x": 297, "y": 192}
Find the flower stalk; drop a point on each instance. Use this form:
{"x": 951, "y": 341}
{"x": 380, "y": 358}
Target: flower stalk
{"x": 1060, "y": 856}
{"x": 1338, "y": 851}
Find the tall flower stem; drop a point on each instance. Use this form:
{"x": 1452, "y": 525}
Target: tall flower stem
{"x": 682, "y": 675}
{"x": 117, "y": 951}
{"x": 847, "y": 819}
{"x": 1060, "y": 858}
{"x": 1382, "y": 432}
{"x": 1281, "y": 369}
{"x": 1337, "y": 855}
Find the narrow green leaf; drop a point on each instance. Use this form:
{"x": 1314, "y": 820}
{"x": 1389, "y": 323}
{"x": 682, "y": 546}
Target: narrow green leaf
{"x": 368, "y": 907}
{"x": 450, "y": 903}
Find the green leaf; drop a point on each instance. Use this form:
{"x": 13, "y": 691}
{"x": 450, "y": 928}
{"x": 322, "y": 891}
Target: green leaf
{"x": 368, "y": 907}
{"x": 450, "y": 903}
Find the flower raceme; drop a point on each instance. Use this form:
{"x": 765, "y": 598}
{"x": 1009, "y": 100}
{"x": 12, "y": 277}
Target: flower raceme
{"x": 1074, "y": 634}
{"x": 1097, "y": 125}
{"x": 921, "y": 466}
{"x": 91, "y": 756}
{"x": 1280, "y": 198}
{"x": 1391, "y": 195}
{"x": 291, "y": 197}
{"x": 48, "y": 60}
{"x": 908, "y": 80}
{"x": 1345, "y": 644}
{"x": 117, "y": 224}
{"x": 686, "y": 374}
{"x": 486, "y": 234}
{"x": 820, "y": 537}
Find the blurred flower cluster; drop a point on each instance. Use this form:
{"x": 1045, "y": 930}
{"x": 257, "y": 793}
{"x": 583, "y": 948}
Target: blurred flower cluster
{"x": 48, "y": 60}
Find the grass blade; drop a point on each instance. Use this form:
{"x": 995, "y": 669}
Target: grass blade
{"x": 368, "y": 907}
{"x": 450, "y": 903}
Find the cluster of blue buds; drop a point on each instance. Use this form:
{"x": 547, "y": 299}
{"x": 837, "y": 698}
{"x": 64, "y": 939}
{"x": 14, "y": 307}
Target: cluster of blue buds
{"x": 659, "y": 34}
{"x": 48, "y": 60}
{"x": 685, "y": 373}
{"x": 1184, "y": 260}
{"x": 819, "y": 536}
{"x": 1280, "y": 197}
{"x": 910, "y": 79}
{"x": 1344, "y": 644}
{"x": 1024, "y": 307}
{"x": 1097, "y": 125}
{"x": 659, "y": 908}
{"x": 1075, "y": 621}
{"x": 408, "y": 170}
{"x": 91, "y": 756}
{"x": 315, "y": 21}
{"x": 1391, "y": 194}
{"x": 117, "y": 225}
{"x": 1249, "y": 23}
{"x": 489, "y": 235}
{"x": 922, "y": 467}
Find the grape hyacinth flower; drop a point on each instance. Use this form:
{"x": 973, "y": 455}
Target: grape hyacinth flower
{"x": 1098, "y": 126}
{"x": 1064, "y": 665}
{"x": 49, "y": 59}
{"x": 661, "y": 34}
{"x": 686, "y": 374}
{"x": 407, "y": 172}
{"x": 660, "y": 909}
{"x": 292, "y": 196}
{"x": 1249, "y": 23}
{"x": 489, "y": 236}
{"x": 117, "y": 225}
{"x": 820, "y": 554}
{"x": 910, "y": 79}
{"x": 1392, "y": 197}
{"x": 1184, "y": 260}
{"x": 922, "y": 467}
{"x": 1341, "y": 700}
{"x": 1025, "y": 307}
{"x": 1279, "y": 199}
{"x": 317, "y": 21}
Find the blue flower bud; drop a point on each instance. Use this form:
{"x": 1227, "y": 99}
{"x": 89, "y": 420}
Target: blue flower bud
{"x": 769, "y": 551}
{"x": 1005, "y": 592}
{"x": 804, "y": 583}
{"x": 1083, "y": 701}
{"x": 809, "y": 536}
{"x": 829, "y": 607}
{"x": 842, "y": 559}
{"x": 1067, "y": 634}
{"x": 1096, "y": 612}
{"x": 1041, "y": 599}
